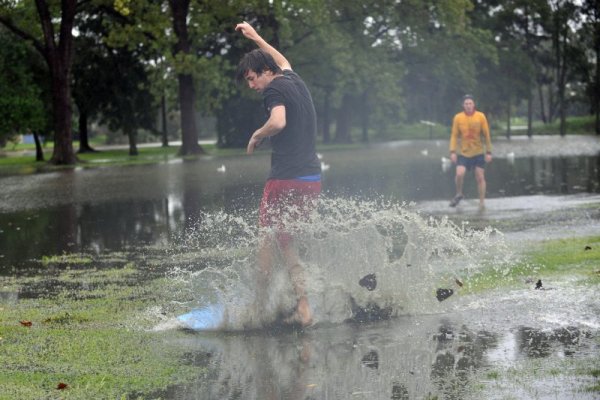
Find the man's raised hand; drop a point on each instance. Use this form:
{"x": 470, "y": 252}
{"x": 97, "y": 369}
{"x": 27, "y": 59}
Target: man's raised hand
{"x": 247, "y": 30}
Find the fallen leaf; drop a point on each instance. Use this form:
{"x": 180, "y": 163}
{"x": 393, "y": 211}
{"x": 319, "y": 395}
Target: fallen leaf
{"x": 61, "y": 386}
{"x": 26, "y": 323}
{"x": 311, "y": 385}
{"x": 459, "y": 282}
{"x": 588, "y": 248}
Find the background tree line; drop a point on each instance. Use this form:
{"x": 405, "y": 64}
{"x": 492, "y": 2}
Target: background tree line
{"x": 371, "y": 65}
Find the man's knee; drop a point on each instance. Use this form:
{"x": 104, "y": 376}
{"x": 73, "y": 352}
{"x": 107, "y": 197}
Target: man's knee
{"x": 480, "y": 176}
{"x": 460, "y": 171}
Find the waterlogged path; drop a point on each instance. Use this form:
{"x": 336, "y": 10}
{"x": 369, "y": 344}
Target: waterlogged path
{"x": 188, "y": 228}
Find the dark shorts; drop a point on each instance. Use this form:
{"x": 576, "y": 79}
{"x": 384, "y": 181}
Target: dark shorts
{"x": 285, "y": 201}
{"x": 471, "y": 162}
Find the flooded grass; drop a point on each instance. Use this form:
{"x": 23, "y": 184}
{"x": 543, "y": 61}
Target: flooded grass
{"x": 88, "y": 336}
{"x": 578, "y": 258}
{"x": 536, "y": 379}
{"x": 83, "y": 321}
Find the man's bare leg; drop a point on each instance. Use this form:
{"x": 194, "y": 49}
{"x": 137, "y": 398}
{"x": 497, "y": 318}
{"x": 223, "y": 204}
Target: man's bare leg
{"x": 303, "y": 313}
{"x": 481, "y": 185}
{"x": 265, "y": 260}
{"x": 459, "y": 179}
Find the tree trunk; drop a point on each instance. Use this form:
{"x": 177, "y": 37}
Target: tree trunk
{"x": 132, "y": 136}
{"x": 187, "y": 99}
{"x": 562, "y": 86}
{"x": 163, "y": 112}
{"x": 39, "y": 152}
{"x": 327, "y": 117}
{"x": 530, "y": 115}
{"x": 342, "y": 129}
{"x": 596, "y": 95}
{"x": 542, "y": 105}
{"x": 187, "y": 94}
{"x": 61, "y": 105}
{"x": 365, "y": 117}
{"x": 59, "y": 59}
{"x": 508, "y": 129}
{"x": 528, "y": 51}
{"x": 84, "y": 145}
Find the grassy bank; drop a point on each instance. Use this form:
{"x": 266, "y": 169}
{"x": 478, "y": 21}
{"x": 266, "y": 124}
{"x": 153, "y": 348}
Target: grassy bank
{"x": 579, "y": 257}
{"x": 87, "y": 335}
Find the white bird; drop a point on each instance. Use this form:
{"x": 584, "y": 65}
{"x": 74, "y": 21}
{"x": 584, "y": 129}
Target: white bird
{"x": 446, "y": 163}
{"x": 319, "y": 156}
{"x": 425, "y": 152}
{"x": 222, "y": 168}
{"x": 324, "y": 167}
{"x": 510, "y": 157}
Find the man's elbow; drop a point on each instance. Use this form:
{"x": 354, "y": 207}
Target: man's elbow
{"x": 278, "y": 125}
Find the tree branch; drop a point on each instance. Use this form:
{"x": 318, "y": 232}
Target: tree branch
{"x": 22, "y": 34}
{"x": 46, "y": 22}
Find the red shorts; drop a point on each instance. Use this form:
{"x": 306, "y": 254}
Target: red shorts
{"x": 285, "y": 201}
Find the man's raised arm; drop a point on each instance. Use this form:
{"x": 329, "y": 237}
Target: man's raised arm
{"x": 249, "y": 32}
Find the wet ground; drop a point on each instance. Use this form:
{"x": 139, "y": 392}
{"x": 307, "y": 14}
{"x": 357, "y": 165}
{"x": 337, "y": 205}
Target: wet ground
{"x": 505, "y": 343}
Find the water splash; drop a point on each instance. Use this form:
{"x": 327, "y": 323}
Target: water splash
{"x": 358, "y": 256}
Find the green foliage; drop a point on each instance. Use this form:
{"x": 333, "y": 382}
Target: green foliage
{"x": 21, "y": 107}
{"x": 370, "y": 65}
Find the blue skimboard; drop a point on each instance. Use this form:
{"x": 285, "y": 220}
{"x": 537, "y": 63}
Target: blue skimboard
{"x": 207, "y": 318}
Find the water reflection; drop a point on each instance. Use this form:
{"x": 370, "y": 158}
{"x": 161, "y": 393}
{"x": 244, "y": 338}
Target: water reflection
{"x": 410, "y": 358}
{"x": 535, "y": 343}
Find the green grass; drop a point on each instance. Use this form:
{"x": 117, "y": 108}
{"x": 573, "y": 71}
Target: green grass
{"x": 547, "y": 259}
{"x": 88, "y": 338}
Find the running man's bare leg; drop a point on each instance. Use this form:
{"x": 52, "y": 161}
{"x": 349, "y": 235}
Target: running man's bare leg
{"x": 459, "y": 179}
{"x": 481, "y": 185}
{"x": 303, "y": 313}
{"x": 265, "y": 261}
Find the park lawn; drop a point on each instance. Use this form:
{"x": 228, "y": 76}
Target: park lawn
{"x": 576, "y": 257}
{"x": 23, "y": 164}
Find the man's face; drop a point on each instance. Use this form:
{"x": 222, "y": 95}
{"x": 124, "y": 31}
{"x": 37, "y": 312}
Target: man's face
{"x": 258, "y": 82}
{"x": 469, "y": 106}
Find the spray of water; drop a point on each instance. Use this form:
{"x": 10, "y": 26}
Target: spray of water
{"x": 361, "y": 260}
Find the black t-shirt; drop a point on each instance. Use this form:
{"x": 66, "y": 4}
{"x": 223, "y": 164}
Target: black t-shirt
{"x": 294, "y": 153}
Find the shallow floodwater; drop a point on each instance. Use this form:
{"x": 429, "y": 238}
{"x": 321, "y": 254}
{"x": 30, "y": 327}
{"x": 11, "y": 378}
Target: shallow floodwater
{"x": 198, "y": 218}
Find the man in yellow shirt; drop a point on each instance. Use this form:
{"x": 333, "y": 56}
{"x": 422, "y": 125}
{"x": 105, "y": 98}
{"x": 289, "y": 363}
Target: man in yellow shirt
{"x": 468, "y": 126}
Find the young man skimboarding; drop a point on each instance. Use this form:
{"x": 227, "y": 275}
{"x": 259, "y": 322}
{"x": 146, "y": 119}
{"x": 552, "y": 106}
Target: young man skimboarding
{"x": 294, "y": 182}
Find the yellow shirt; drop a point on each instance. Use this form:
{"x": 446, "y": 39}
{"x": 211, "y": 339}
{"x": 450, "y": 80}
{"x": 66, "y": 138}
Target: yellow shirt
{"x": 469, "y": 129}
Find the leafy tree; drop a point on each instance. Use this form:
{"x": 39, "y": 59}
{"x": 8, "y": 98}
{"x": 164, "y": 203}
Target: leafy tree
{"x": 54, "y": 41}
{"x": 590, "y": 34}
{"x": 519, "y": 27}
{"x": 21, "y": 107}
{"x": 564, "y": 12}
{"x": 111, "y": 84}
{"x": 128, "y": 104}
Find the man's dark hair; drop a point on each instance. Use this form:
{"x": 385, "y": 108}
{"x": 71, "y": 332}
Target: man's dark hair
{"x": 467, "y": 97}
{"x": 258, "y": 61}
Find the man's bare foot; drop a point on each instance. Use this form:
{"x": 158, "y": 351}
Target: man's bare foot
{"x": 302, "y": 315}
